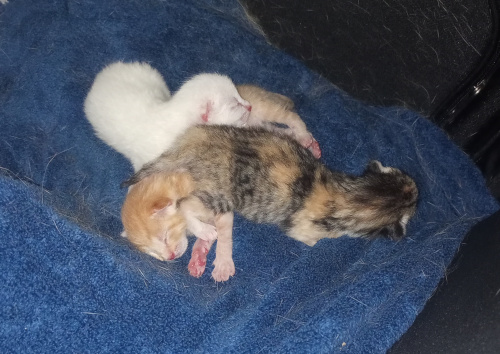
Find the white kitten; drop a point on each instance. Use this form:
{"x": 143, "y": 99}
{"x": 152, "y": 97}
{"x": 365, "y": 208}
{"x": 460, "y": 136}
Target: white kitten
{"x": 131, "y": 109}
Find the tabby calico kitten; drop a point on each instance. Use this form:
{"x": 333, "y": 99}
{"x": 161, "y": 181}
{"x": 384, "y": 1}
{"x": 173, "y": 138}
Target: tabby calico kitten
{"x": 272, "y": 179}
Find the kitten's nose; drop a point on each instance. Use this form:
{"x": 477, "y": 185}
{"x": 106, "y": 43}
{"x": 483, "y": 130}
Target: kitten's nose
{"x": 249, "y": 108}
{"x": 171, "y": 257}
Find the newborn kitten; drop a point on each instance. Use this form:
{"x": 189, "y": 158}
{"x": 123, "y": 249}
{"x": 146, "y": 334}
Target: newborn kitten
{"x": 155, "y": 220}
{"x": 272, "y": 179}
{"x": 159, "y": 210}
{"x": 130, "y": 108}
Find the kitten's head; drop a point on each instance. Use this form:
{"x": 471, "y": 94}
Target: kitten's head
{"x": 377, "y": 204}
{"x": 215, "y": 99}
{"x": 389, "y": 197}
{"x": 151, "y": 218}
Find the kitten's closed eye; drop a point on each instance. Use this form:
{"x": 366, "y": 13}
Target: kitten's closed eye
{"x": 240, "y": 108}
{"x": 244, "y": 104}
{"x": 393, "y": 232}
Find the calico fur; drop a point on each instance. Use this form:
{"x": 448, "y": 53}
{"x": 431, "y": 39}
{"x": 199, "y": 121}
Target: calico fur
{"x": 272, "y": 179}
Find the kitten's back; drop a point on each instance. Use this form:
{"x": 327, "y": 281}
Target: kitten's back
{"x": 250, "y": 169}
{"x": 265, "y": 103}
{"x": 122, "y": 108}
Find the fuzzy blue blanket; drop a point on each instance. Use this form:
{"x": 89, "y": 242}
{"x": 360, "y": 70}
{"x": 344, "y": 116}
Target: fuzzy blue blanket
{"x": 69, "y": 283}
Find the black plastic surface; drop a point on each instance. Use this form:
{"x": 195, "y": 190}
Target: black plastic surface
{"x": 463, "y": 316}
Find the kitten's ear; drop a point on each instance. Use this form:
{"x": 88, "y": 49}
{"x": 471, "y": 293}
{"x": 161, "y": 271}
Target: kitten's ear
{"x": 395, "y": 231}
{"x": 207, "y": 109}
{"x": 162, "y": 207}
{"x": 374, "y": 166}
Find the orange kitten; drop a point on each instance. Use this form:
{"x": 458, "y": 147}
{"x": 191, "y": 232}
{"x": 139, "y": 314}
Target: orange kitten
{"x": 157, "y": 223}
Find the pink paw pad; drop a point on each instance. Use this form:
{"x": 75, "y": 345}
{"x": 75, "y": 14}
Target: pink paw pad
{"x": 223, "y": 270}
{"x": 305, "y": 140}
{"x": 198, "y": 262}
{"x": 315, "y": 149}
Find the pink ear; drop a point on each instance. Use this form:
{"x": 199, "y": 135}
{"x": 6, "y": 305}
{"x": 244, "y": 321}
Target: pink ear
{"x": 161, "y": 206}
{"x": 208, "y": 108}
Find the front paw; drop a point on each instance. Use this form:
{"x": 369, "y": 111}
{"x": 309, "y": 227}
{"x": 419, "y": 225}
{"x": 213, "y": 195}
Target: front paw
{"x": 305, "y": 139}
{"x": 314, "y": 148}
{"x": 223, "y": 270}
{"x": 206, "y": 232}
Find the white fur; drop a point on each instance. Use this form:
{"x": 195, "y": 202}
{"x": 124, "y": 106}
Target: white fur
{"x": 131, "y": 109}
{"x": 384, "y": 169}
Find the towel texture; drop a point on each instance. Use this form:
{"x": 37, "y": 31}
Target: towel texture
{"x": 69, "y": 283}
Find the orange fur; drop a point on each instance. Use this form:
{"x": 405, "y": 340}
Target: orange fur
{"x": 151, "y": 218}
{"x": 272, "y": 107}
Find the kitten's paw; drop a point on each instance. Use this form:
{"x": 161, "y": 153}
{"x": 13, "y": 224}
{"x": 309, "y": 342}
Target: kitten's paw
{"x": 315, "y": 149}
{"x": 305, "y": 139}
{"x": 223, "y": 270}
{"x": 207, "y": 232}
{"x": 308, "y": 141}
{"x": 197, "y": 263}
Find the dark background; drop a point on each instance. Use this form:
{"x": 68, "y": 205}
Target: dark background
{"x": 439, "y": 58}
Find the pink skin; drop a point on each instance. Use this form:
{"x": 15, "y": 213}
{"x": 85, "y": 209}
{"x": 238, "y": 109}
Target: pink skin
{"x": 249, "y": 109}
{"x": 223, "y": 263}
{"x": 198, "y": 260}
{"x": 314, "y": 148}
{"x": 310, "y": 143}
{"x": 170, "y": 256}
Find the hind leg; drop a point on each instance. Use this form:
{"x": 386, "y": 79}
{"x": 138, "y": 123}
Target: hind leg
{"x": 223, "y": 263}
{"x": 268, "y": 114}
{"x": 299, "y": 131}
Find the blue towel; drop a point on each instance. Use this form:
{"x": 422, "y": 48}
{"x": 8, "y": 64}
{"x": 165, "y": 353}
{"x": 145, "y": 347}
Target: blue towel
{"x": 69, "y": 283}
